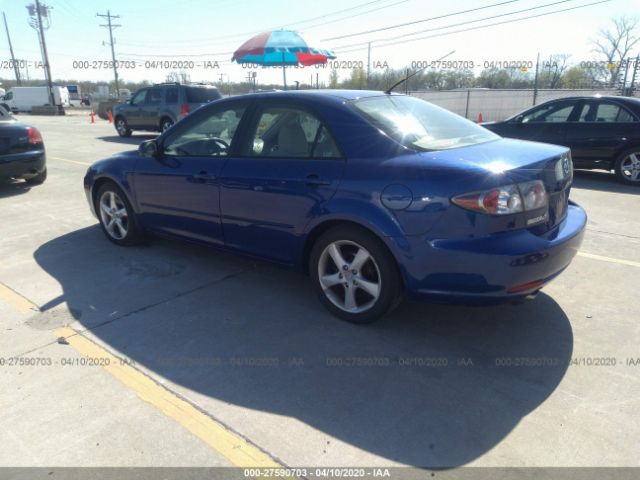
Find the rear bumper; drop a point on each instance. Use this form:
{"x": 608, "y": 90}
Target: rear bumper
{"x": 497, "y": 268}
{"x": 22, "y": 165}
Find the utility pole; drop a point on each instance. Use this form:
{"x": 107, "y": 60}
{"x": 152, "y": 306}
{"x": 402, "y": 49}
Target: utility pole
{"x": 368, "y": 63}
{"x": 36, "y": 12}
{"x": 111, "y": 26}
{"x": 535, "y": 80}
{"x": 13, "y": 58}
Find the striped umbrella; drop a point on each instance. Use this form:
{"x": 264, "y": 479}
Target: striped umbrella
{"x": 281, "y": 48}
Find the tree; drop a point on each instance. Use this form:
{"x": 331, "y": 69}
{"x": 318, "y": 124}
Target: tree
{"x": 333, "y": 79}
{"x": 494, "y": 78}
{"x": 613, "y": 46}
{"x": 551, "y": 71}
{"x": 575, "y": 77}
{"x": 358, "y": 79}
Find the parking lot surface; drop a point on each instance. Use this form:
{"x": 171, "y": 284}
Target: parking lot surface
{"x": 222, "y": 360}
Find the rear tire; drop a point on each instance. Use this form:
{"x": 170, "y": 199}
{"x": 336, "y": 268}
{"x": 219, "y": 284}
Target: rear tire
{"x": 122, "y": 127}
{"x": 117, "y": 218}
{"x": 627, "y": 167}
{"x": 166, "y": 124}
{"x": 356, "y": 277}
{"x": 38, "y": 179}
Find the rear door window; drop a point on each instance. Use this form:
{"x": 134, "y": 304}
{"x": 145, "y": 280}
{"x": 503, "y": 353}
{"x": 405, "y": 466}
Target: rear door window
{"x": 612, "y": 112}
{"x": 154, "y": 97}
{"x": 285, "y": 132}
{"x": 171, "y": 96}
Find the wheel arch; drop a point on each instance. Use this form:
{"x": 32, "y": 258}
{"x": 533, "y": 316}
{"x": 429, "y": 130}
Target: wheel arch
{"x": 100, "y": 181}
{"x": 165, "y": 116}
{"x": 392, "y": 244}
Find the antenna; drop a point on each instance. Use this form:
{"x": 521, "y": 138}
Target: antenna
{"x": 388, "y": 91}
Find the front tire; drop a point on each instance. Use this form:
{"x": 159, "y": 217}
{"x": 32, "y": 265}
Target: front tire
{"x": 356, "y": 277}
{"x": 122, "y": 127}
{"x": 627, "y": 167}
{"x": 117, "y": 218}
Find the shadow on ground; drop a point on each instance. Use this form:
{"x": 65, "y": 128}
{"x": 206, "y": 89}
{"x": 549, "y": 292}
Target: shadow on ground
{"x": 603, "y": 181}
{"x": 11, "y": 188}
{"x": 134, "y": 139}
{"x": 427, "y": 386}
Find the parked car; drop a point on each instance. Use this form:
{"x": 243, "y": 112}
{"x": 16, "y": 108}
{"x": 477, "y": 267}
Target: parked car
{"x": 603, "y": 132}
{"x": 373, "y": 195}
{"x": 22, "y": 154}
{"x": 158, "y": 107}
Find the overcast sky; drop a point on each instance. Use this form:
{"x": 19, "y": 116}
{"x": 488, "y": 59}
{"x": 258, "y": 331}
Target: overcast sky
{"x": 210, "y": 30}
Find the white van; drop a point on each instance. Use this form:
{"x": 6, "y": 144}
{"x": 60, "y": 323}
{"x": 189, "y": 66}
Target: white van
{"x": 23, "y": 99}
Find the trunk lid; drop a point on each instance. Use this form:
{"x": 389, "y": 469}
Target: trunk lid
{"x": 509, "y": 161}
{"x": 14, "y": 138}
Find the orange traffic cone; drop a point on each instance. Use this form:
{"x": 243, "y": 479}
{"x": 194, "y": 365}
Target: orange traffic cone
{"x": 479, "y": 118}
{"x": 110, "y": 116}
{"x": 93, "y": 119}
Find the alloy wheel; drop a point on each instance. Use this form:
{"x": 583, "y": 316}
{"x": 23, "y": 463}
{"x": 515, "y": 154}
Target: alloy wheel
{"x": 121, "y": 126}
{"x": 630, "y": 167}
{"x": 349, "y": 276}
{"x": 113, "y": 214}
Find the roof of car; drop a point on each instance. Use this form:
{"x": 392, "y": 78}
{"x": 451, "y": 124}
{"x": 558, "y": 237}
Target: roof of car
{"x": 591, "y": 97}
{"x": 341, "y": 94}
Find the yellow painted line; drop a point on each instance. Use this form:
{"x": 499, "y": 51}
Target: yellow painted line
{"x": 609, "y": 259}
{"x": 231, "y": 446}
{"x": 17, "y": 301}
{"x": 71, "y": 161}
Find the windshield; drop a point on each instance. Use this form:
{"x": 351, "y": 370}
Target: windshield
{"x": 421, "y": 125}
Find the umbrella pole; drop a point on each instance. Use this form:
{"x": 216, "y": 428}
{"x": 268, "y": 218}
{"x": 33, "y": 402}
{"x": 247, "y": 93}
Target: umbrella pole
{"x": 284, "y": 72}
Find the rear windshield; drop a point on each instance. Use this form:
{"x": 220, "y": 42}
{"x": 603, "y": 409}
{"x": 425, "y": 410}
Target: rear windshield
{"x": 421, "y": 125}
{"x": 201, "y": 94}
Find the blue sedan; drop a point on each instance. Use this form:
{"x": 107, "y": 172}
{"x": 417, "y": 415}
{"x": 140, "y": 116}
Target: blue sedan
{"x": 373, "y": 195}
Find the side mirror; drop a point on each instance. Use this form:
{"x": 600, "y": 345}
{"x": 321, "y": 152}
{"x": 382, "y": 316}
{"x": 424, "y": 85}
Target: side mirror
{"x": 148, "y": 148}
{"x": 518, "y": 119}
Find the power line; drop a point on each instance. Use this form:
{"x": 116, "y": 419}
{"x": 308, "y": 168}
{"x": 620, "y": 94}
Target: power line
{"x": 375, "y": 30}
{"x": 298, "y": 22}
{"x": 222, "y": 54}
{"x": 404, "y": 35}
{"x": 480, "y": 26}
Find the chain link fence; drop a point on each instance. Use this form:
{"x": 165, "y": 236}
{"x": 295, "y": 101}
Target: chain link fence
{"x": 498, "y": 104}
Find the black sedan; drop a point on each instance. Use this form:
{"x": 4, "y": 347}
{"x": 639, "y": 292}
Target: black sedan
{"x": 22, "y": 154}
{"x": 602, "y": 132}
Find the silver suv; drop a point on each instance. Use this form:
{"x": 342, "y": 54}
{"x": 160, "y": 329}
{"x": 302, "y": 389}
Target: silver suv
{"x": 158, "y": 107}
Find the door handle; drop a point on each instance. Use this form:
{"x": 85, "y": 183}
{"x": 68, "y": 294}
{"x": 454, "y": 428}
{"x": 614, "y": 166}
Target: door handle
{"x": 316, "y": 180}
{"x": 202, "y": 177}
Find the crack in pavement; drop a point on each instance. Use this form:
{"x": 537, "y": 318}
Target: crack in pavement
{"x": 614, "y": 234}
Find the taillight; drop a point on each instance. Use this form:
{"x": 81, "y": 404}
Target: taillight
{"x": 34, "y": 136}
{"x": 505, "y": 200}
{"x": 184, "y": 109}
